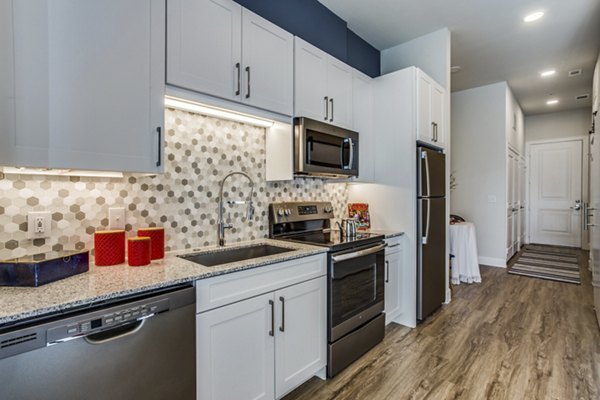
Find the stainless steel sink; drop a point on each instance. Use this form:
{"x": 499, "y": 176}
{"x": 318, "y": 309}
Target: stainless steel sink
{"x": 227, "y": 256}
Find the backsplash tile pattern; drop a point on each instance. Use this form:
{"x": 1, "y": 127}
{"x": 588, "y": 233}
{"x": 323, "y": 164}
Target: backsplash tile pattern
{"x": 200, "y": 151}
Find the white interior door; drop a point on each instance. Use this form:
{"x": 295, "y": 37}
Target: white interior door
{"x": 556, "y": 192}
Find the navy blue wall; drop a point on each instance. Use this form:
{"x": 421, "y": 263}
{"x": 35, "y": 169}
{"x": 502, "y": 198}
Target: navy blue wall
{"x": 316, "y": 24}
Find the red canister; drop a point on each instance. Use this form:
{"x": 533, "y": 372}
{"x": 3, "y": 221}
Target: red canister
{"x": 157, "y": 235}
{"x": 109, "y": 247}
{"x": 138, "y": 251}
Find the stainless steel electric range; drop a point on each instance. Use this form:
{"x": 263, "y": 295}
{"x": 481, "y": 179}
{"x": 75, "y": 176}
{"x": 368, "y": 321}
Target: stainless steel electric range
{"x": 355, "y": 295}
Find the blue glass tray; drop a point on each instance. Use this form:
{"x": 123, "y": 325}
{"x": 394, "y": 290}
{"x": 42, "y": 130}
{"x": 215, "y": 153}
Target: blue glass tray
{"x": 39, "y": 269}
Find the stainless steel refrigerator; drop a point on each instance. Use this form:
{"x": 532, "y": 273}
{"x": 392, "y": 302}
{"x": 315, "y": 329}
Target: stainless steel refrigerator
{"x": 431, "y": 231}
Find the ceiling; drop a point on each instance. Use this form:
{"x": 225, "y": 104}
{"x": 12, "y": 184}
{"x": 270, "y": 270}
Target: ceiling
{"x": 491, "y": 42}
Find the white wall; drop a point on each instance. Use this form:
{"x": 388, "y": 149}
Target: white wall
{"x": 558, "y": 124}
{"x": 430, "y": 52}
{"x": 479, "y": 165}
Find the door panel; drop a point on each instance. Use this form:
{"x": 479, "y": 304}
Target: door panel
{"x": 301, "y": 338}
{"x": 268, "y": 53}
{"x": 555, "y": 188}
{"x": 432, "y": 256}
{"x": 204, "y": 46}
{"x": 235, "y": 351}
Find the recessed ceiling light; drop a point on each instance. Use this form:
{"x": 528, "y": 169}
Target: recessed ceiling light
{"x": 534, "y": 16}
{"x": 548, "y": 73}
{"x": 551, "y": 102}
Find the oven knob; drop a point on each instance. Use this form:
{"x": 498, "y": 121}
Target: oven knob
{"x": 328, "y": 209}
{"x": 281, "y": 212}
{"x": 288, "y": 212}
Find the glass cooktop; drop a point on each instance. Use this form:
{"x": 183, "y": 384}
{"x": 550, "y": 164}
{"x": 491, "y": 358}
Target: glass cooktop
{"x": 334, "y": 239}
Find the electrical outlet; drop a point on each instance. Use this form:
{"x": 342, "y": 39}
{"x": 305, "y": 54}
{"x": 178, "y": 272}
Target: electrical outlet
{"x": 116, "y": 218}
{"x": 39, "y": 224}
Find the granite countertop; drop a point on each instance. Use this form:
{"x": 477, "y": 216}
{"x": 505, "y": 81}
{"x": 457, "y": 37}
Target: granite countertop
{"x": 105, "y": 283}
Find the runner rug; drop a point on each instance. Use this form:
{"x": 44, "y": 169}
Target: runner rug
{"x": 552, "y": 264}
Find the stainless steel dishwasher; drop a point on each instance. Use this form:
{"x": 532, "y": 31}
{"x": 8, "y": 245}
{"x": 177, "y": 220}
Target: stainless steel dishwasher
{"x": 142, "y": 347}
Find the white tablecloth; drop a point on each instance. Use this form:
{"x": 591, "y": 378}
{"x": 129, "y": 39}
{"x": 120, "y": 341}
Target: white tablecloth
{"x": 463, "y": 246}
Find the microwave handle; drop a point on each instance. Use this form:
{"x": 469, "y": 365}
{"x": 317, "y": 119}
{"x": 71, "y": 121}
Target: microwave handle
{"x": 309, "y": 149}
{"x": 351, "y": 150}
{"x": 351, "y": 160}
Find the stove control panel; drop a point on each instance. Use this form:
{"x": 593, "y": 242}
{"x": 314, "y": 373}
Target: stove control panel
{"x": 307, "y": 210}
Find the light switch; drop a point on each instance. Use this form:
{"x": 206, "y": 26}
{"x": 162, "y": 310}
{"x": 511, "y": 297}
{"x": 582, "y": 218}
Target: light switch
{"x": 116, "y": 218}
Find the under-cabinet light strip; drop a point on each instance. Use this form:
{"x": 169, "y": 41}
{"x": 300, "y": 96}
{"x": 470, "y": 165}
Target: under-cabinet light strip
{"x": 199, "y": 108}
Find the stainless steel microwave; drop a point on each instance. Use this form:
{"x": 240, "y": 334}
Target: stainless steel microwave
{"x": 324, "y": 150}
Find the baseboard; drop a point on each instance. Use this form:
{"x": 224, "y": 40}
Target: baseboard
{"x": 492, "y": 262}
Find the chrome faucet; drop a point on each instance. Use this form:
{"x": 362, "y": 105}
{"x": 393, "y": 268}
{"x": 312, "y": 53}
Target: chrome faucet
{"x": 222, "y": 225}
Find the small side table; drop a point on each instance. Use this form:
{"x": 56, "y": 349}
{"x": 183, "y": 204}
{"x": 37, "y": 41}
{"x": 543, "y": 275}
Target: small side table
{"x": 463, "y": 246}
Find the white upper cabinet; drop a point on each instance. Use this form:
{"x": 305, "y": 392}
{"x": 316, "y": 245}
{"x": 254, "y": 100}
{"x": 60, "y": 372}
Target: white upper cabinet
{"x": 204, "y": 46}
{"x": 430, "y": 111}
{"x": 322, "y": 86}
{"x": 219, "y": 48}
{"x": 268, "y": 54}
{"x": 97, "y": 107}
{"x": 363, "y": 123}
{"x": 310, "y": 81}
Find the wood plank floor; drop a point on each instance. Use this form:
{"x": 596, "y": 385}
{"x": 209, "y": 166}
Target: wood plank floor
{"x": 510, "y": 337}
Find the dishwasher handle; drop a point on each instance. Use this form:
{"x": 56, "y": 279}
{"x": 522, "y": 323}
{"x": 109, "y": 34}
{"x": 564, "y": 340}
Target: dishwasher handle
{"x": 116, "y": 333}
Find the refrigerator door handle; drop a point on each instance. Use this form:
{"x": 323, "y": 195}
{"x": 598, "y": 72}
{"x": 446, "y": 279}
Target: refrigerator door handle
{"x": 427, "y": 180}
{"x": 425, "y": 237}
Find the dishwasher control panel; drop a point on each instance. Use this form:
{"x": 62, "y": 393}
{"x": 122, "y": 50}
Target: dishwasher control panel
{"x": 106, "y": 319}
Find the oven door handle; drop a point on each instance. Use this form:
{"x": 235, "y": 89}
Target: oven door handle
{"x": 360, "y": 253}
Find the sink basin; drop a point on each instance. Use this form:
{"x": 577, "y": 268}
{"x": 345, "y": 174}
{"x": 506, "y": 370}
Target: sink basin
{"x": 236, "y": 254}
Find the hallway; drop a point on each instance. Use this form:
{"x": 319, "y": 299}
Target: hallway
{"x": 510, "y": 337}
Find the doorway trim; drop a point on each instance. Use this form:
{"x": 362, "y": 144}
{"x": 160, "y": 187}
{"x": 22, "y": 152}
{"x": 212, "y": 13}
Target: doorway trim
{"x": 585, "y": 170}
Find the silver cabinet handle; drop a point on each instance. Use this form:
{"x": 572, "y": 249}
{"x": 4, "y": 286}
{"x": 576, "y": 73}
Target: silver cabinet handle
{"x": 239, "y": 79}
{"x": 436, "y": 132}
{"x": 282, "y": 327}
{"x": 360, "y": 253}
{"x": 331, "y": 101}
{"x": 248, "y": 83}
{"x": 326, "y": 98}
{"x": 387, "y": 270}
{"x": 159, "y": 159}
{"x": 272, "y": 331}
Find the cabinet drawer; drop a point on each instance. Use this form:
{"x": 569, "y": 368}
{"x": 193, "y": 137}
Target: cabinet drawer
{"x": 226, "y": 289}
{"x": 394, "y": 245}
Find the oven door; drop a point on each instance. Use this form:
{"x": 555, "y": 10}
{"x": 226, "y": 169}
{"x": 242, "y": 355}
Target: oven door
{"x": 356, "y": 288}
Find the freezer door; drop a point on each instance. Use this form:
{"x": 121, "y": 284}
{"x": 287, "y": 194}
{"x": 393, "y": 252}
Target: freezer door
{"x": 431, "y": 282}
{"x": 431, "y": 180}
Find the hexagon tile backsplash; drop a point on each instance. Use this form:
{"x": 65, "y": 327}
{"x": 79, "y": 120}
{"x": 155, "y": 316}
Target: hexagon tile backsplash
{"x": 200, "y": 150}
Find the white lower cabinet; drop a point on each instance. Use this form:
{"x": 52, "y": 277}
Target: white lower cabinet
{"x": 264, "y": 346}
{"x": 393, "y": 265}
{"x": 235, "y": 352}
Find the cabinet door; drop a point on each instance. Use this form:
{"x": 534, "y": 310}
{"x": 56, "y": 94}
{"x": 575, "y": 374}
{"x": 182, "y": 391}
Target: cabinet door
{"x": 339, "y": 89}
{"x": 393, "y": 264}
{"x": 102, "y": 105}
{"x": 362, "y": 100}
{"x": 437, "y": 114}
{"x": 268, "y": 65}
{"x": 24, "y": 83}
{"x": 8, "y": 143}
{"x": 424, "y": 126}
{"x": 301, "y": 339}
{"x": 235, "y": 352}
{"x": 204, "y": 46}
{"x": 310, "y": 81}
